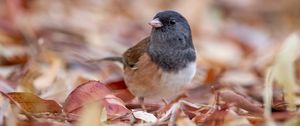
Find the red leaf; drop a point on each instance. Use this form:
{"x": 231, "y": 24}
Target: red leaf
{"x": 117, "y": 85}
{"x": 124, "y": 94}
{"x": 93, "y": 91}
{"x": 120, "y": 90}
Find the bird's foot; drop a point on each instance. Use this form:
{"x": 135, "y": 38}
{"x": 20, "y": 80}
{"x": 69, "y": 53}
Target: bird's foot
{"x": 171, "y": 114}
{"x": 174, "y": 110}
{"x": 167, "y": 105}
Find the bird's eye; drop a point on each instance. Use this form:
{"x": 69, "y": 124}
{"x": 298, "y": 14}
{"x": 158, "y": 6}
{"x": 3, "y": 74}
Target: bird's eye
{"x": 172, "y": 22}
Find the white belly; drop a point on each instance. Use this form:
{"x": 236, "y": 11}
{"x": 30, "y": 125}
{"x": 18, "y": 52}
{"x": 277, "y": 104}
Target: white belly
{"x": 173, "y": 83}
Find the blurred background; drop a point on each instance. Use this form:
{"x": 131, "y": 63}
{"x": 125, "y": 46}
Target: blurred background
{"x": 45, "y": 44}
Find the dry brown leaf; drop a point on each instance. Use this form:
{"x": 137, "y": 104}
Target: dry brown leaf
{"x": 13, "y": 60}
{"x": 234, "y": 44}
{"x": 240, "y": 101}
{"x": 31, "y": 103}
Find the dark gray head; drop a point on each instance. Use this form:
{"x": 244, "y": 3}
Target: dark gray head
{"x": 171, "y": 44}
{"x": 169, "y": 25}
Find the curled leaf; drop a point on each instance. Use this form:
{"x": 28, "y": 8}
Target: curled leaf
{"x": 93, "y": 91}
{"x": 239, "y": 101}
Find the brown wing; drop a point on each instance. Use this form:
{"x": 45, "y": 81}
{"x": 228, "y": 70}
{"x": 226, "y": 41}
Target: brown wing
{"x": 132, "y": 55}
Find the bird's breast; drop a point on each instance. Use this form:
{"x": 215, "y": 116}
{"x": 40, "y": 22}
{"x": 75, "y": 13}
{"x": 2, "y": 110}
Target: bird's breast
{"x": 149, "y": 80}
{"x": 173, "y": 83}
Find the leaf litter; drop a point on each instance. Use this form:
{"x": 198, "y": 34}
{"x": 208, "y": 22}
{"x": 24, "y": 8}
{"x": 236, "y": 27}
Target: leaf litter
{"x": 247, "y": 66}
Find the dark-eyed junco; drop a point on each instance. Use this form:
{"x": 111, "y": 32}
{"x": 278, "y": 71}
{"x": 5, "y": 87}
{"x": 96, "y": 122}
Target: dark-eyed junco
{"x": 162, "y": 64}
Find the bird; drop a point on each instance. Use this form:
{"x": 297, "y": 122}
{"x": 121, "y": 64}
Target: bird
{"x": 162, "y": 64}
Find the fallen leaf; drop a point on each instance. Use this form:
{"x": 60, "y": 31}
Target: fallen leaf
{"x": 93, "y": 91}
{"x": 124, "y": 94}
{"x": 115, "y": 106}
{"x": 145, "y": 116}
{"x": 120, "y": 90}
{"x": 31, "y": 103}
{"x": 240, "y": 101}
{"x": 116, "y": 85}
{"x": 13, "y": 60}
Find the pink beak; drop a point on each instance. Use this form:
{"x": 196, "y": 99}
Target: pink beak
{"x": 155, "y": 23}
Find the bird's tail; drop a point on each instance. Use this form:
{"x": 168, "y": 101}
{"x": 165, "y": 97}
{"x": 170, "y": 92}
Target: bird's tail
{"x": 114, "y": 59}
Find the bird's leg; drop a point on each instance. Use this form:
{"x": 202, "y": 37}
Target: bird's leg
{"x": 168, "y": 105}
{"x": 141, "y": 101}
{"x": 171, "y": 114}
{"x": 174, "y": 110}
